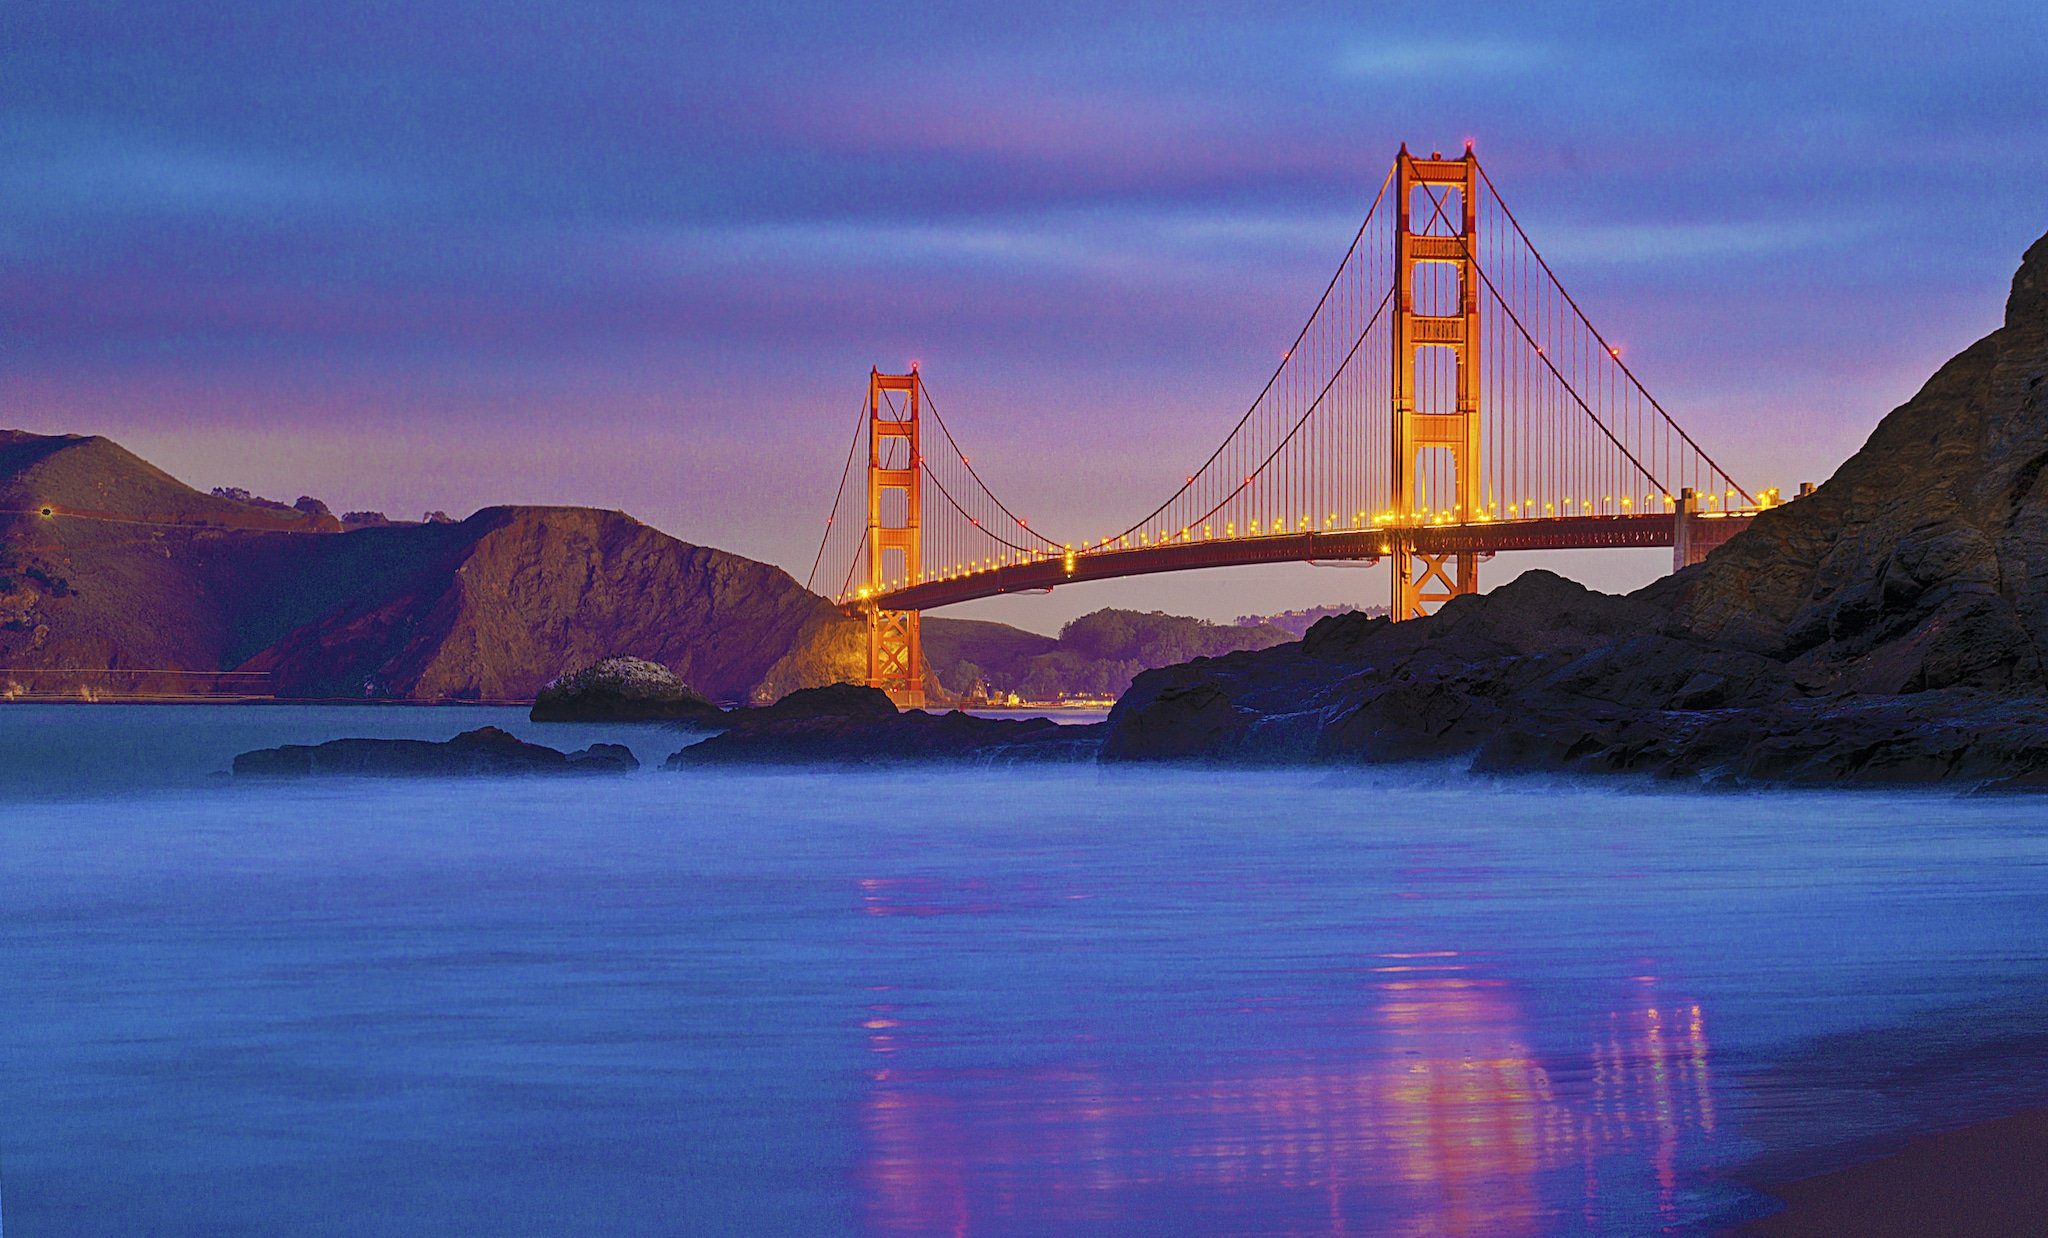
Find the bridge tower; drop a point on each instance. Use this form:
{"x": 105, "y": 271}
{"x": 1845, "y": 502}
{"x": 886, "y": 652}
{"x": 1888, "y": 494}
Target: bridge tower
{"x": 1423, "y": 580}
{"x": 895, "y": 659}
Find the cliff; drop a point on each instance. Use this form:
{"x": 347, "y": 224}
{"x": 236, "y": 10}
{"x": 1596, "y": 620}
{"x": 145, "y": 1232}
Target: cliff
{"x": 498, "y": 605}
{"x": 132, "y": 570}
{"x": 1923, "y": 563}
{"x": 1888, "y": 627}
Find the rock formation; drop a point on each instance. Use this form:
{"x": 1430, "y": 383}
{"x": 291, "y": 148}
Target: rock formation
{"x": 847, "y": 724}
{"x": 909, "y": 738}
{"x": 486, "y": 750}
{"x": 623, "y": 689}
{"x": 1923, "y": 563}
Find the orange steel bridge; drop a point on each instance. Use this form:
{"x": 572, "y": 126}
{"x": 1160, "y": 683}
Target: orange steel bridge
{"x": 1446, "y": 400}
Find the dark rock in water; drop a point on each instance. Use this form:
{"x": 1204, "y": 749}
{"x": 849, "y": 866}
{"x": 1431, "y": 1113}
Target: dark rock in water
{"x": 486, "y": 750}
{"x": 839, "y": 700}
{"x": 852, "y": 724}
{"x": 875, "y": 739}
{"x": 1886, "y": 629}
{"x": 622, "y": 689}
{"x": 603, "y": 759}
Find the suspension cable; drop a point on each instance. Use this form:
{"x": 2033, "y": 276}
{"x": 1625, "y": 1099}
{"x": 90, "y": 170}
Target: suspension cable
{"x": 1277, "y": 370}
{"x": 951, "y": 442}
{"x": 1464, "y": 243}
{"x": 1299, "y": 421}
{"x": 971, "y": 520}
{"x": 853, "y": 565}
{"x": 1612, "y": 352}
{"x": 844, "y": 473}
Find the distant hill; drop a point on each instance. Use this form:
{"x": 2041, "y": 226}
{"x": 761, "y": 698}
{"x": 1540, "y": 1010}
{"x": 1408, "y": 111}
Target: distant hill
{"x": 132, "y": 570}
{"x": 1093, "y": 656}
{"x": 958, "y": 653}
{"x": 90, "y": 474}
{"x": 1297, "y": 622}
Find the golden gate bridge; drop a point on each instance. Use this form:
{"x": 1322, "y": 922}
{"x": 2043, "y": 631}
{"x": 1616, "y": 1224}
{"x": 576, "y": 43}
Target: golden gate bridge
{"x": 1446, "y": 400}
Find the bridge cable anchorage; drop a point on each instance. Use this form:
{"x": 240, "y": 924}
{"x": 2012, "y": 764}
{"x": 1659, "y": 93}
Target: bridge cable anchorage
{"x": 859, "y": 417}
{"x": 1278, "y": 370}
{"x": 1612, "y": 352}
{"x": 1436, "y": 205}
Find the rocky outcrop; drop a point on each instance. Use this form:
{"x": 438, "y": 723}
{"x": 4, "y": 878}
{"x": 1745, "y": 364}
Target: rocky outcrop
{"x": 132, "y": 569}
{"x": 848, "y": 724}
{"x": 484, "y": 751}
{"x": 622, "y": 689}
{"x": 1923, "y": 563}
{"x": 838, "y": 700}
{"x": 909, "y": 738}
{"x": 1887, "y": 628}
{"x": 1367, "y": 688}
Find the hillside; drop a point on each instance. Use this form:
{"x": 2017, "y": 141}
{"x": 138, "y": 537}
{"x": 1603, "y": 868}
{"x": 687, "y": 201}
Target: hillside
{"x": 1095, "y": 655}
{"x": 959, "y": 653}
{"x": 1923, "y": 562}
{"x": 134, "y": 570}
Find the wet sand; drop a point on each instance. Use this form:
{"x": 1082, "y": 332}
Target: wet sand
{"x": 1988, "y": 1178}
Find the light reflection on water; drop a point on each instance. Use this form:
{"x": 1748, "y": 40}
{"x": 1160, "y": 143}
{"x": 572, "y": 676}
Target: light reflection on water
{"x": 963, "y": 1002}
{"x": 1431, "y": 1115}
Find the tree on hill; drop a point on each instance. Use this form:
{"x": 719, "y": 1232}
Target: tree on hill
{"x": 1095, "y": 655}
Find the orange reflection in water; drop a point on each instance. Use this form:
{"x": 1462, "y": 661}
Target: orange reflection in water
{"x": 1431, "y": 1115}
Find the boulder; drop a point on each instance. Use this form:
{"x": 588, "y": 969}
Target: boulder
{"x": 838, "y": 700}
{"x": 487, "y": 750}
{"x": 623, "y": 689}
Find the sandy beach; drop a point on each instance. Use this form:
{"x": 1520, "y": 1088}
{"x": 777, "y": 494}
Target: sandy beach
{"x": 1988, "y": 1178}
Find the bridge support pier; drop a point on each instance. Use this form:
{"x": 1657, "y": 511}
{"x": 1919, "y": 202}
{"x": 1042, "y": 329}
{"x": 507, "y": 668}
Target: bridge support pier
{"x": 895, "y": 658}
{"x": 1424, "y": 581}
{"x": 1444, "y": 241}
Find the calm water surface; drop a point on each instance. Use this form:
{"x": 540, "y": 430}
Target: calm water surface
{"x": 973, "y": 1001}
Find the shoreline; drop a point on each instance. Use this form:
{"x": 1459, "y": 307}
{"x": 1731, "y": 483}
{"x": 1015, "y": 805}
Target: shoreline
{"x": 1982, "y": 1178}
{"x": 263, "y": 700}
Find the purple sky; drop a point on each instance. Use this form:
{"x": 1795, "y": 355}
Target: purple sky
{"x": 425, "y": 254}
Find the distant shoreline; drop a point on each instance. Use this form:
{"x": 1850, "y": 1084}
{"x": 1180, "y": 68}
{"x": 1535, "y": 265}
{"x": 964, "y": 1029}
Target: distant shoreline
{"x": 258, "y": 700}
{"x": 1031, "y": 711}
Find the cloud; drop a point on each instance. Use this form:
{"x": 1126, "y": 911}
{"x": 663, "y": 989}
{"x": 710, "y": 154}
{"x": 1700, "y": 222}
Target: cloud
{"x": 95, "y": 170}
{"x": 1436, "y": 57}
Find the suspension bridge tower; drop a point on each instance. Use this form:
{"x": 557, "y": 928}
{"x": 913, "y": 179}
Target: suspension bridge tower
{"x": 1444, "y": 237}
{"x": 895, "y": 521}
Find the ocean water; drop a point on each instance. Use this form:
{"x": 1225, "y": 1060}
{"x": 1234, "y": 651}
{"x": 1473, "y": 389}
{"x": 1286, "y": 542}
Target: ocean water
{"x": 966, "y": 1001}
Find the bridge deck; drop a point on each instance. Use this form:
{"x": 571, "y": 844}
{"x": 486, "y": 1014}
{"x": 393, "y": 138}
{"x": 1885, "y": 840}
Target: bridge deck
{"x": 1548, "y": 533}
